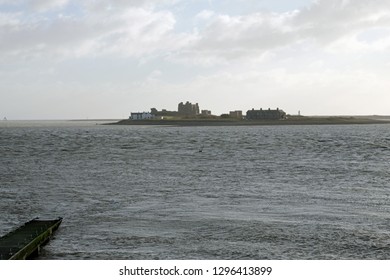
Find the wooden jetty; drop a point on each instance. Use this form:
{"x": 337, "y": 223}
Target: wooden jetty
{"x": 26, "y": 241}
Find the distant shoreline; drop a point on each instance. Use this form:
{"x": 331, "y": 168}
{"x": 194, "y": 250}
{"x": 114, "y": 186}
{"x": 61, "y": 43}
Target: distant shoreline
{"x": 296, "y": 120}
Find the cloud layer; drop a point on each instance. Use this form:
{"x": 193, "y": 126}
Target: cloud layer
{"x": 172, "y": 50}
{"x": 135, "y": 28}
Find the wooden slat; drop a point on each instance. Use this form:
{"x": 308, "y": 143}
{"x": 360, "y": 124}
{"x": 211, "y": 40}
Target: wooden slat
{"x": 27, "y": 239}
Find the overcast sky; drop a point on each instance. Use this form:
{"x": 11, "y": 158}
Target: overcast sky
{"x": 68, "y": 59}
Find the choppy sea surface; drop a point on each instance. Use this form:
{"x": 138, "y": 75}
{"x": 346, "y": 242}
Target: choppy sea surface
{"x": 155, "y": 192}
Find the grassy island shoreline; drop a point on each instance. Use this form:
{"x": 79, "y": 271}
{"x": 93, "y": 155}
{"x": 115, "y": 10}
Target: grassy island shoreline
{"x": 294, "y": 120}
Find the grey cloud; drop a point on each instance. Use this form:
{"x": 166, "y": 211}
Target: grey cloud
{"x": 131, "y": 31}
{"x": 36, "y": 5}
{"x": 329, "y": 20}
{"x": 322, "y": 23}
{"x": 102, "y": 5}
{"x": 134, "y": 28}
{"x": 256, "y": 31}
{"x": 44, "y": 5}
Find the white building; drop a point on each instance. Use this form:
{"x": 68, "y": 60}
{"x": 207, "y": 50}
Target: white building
{"x": 141, "y": 116}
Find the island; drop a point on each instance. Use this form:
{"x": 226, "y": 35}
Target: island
{"x": 188, "y": 114}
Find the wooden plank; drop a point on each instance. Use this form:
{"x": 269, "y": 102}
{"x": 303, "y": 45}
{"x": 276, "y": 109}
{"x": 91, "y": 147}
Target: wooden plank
{"x": 27, "y": 240}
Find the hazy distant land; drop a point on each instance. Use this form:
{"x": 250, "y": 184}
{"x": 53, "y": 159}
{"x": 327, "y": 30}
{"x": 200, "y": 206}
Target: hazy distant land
{"x": 291, "y": 120}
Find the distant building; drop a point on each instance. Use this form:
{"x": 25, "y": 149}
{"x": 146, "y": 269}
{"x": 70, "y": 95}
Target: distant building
{"x": 188, "y": 109}
{"x": 235, "y": 114}
{"x": 163, "y": 113}
{"x": 265, "y": 114}
{"x": 205, "y": 113}
{"x": 141, "y": 116}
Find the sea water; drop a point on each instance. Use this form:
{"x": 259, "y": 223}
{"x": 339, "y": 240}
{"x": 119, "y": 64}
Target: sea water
{"x": 164, "y": 192}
